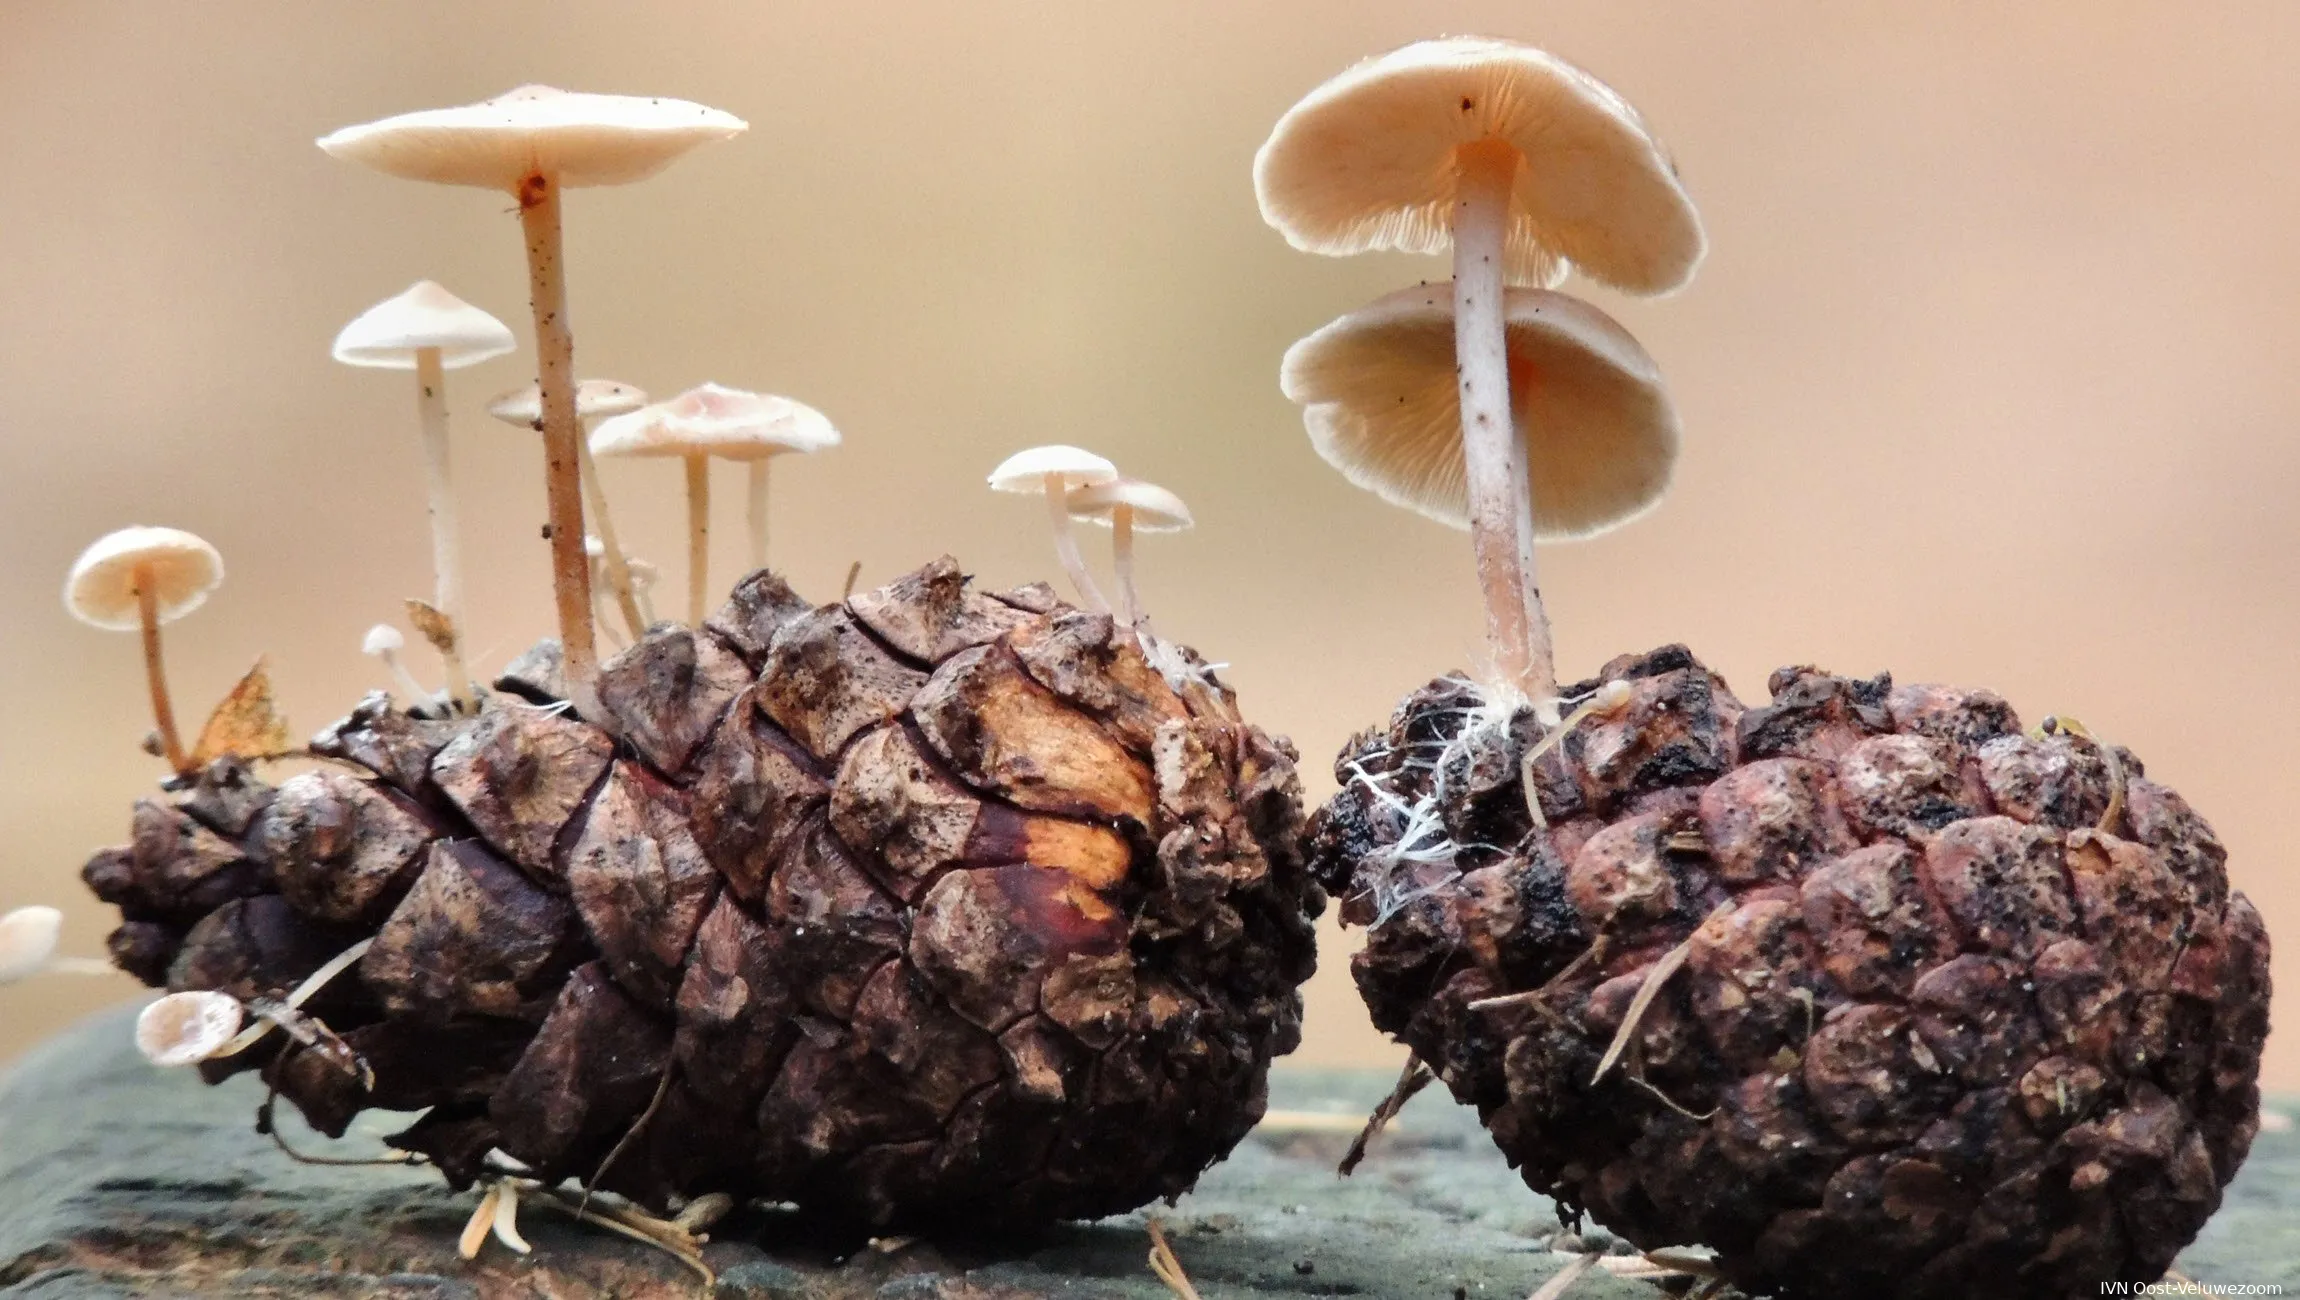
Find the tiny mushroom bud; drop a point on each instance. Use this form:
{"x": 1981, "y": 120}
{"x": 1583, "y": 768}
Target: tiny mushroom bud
{"x": 27, "y": 941}
{"x": 532, "y": 143}
{"x": 595, "y": 400}
{"x": 187, "y": 1028}
{"x": 1523, "y": 165}
{"x": 431, "y": 331}
{"x": 710, "y": 420}
{"x": 1129, "y": 506}
{"x": 1053, "y": 471}
{"x": 1590, "y": 417}
{"x": 384, "y": 642}
{"x": 139, "y": 578}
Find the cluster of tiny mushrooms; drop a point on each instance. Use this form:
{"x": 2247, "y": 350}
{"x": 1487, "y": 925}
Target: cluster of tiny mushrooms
{"x": 1494, "y": 404}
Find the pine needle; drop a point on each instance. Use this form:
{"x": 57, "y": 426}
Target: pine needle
{"x": 1562, "y": 1281}
{"x": 1646, "y": 993}
{"x": 1605, "y": 699}
{"x": 1167, "y": 1266}
{"x": 630, "y": 1135}
{"x": 1413, "y": 1079}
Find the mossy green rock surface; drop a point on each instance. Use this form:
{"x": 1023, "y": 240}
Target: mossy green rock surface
{"x": 117, "y": 1180}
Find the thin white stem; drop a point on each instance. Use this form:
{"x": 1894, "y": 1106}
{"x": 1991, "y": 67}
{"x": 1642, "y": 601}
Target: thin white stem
{"x": 698, "y": 536}
{"x": 446, "y": 537}
{"x": 78, "y": 966}
{"x": 617, "y": 568}
{"x": 562, "y": 456}
{"x": 755, "y": 511}
{"x": 417, "y": 693}
{"x": 156, "y": 676}
{"x": 1500, "y": 495}
{"x": 1122, "y": 559}
{"x": 1066, "y": 547}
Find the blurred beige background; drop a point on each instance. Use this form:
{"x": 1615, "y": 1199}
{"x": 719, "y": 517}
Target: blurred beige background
{"x": 1989, "y": 378}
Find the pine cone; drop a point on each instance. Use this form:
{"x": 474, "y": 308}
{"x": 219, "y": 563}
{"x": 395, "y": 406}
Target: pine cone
{"x": 1962, "y": 1011}
{"x": 931, "y": 906}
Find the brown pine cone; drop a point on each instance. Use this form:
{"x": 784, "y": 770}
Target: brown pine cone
{"x": 1961, "y": 1011}
{"x": 931, "y": 907}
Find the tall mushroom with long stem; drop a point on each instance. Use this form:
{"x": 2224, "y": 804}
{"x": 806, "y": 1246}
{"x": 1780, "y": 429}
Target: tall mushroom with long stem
{"x": 1128, "y": 506}
{"x": 134, "y": 580}
{"x": 1525, "y": 167}
{"x": 713, "y": 420}
{"x": 533, "y": 143}
{"x": 595, "y": 400}
{"x": 431, "y": 331}
{"x": 1589, "y": 414}
{"x": 1054, "y": 471}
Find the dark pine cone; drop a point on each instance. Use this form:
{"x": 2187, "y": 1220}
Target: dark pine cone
{"x": 1962, "y": 1011}
{"x": 931, "y": 906}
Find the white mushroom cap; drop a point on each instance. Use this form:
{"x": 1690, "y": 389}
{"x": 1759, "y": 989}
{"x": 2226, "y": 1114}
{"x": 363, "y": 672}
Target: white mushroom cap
{"x": 27, "y": 940}
{"x": 1366, "y": 161}
{"x": 593, "y": 398}
{"x": 1382, "y": 407}
{"x": 717, "y": 421}
{"x": 1026, "y": 470}
{"x": 383, "y": 639}
{"x": 101, "y": 590}
{"x": 389, "y": 334}
{"x": 187, "y": 1028}
{"x": 581, "y": 139}
{"x": 1156, "y": 510}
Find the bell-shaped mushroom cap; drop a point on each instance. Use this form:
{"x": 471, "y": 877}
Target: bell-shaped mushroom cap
{"x": 27, "y": 940}
{"x": 389, "y": 334}
{"x": 101, "y": 590}
{"x": 1366, "y": 162}
{"x": 716, "y": 421}
{"x": 1026, "y": 470}
{"x": 1155, "y": 509}
{"x": 535, "y": 130}
{"x": 1382, "y": 407}
{"x": 382, "y": 639}
{"x": 187, "y": 1028}
{"x": 594, "y": 398}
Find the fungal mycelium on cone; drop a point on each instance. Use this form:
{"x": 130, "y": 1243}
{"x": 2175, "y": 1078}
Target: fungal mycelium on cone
{"x": 1866, "y": 989}
{"x": 927, "y": 906}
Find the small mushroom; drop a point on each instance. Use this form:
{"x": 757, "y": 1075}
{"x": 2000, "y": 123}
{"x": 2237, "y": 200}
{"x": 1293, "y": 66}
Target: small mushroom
{"x": 1054, "y": 471}
{"x": 384, "y": 642}
{"x": 1128, "y": 506}
{"x": 431, "y": 331}
{"x": 532, "y": 143}
{"x": 1589, "y": 414}
{"x": 138, "y": 578}
{"x": 188, "y": 1028}
{"x": 28, "y": 937}
{"x": 710, "y": 420}
{"x": 1525, "y": 166}
{"x": 595, "y": 400}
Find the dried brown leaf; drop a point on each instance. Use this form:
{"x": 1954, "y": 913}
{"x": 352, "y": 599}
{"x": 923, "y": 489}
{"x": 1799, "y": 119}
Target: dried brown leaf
{"x": 247, "y": 724}
{"x": 432, "y": 625}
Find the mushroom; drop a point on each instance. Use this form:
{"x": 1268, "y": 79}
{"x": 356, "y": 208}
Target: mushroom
{"x": 138, "y": 578}
{"x": 711, "y": 420}
{"x": 1128, "y": 506}
{"x": 1526, "y": 166}
{"x": 1589, "y": 414}
{"x": 532, "y": 143}
{"x": 28, "y": 937}
{"x": 595, "y": 400}
{"x": 1054, "y": 471}
{"x": 187, "y": 1028}
{"x": 384, "y": 642}
{"x": 431, "y": 331}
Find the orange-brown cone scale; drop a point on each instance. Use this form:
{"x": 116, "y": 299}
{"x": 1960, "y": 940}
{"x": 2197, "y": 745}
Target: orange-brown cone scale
{"x": 933, "y": 906}
{"x": 1949, "y": 1025}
